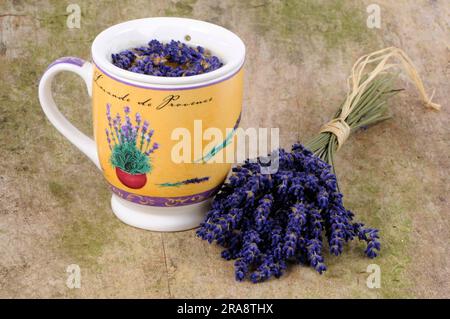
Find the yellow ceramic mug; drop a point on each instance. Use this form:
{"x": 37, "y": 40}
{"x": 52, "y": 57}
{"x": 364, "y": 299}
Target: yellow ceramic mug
{"x": 148, "y": 130}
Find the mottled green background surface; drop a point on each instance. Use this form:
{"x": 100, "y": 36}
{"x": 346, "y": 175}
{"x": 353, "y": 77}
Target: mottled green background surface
{"x": 54, "y": 204}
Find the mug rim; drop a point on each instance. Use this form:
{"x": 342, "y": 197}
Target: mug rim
{"x": 101, "y": 52}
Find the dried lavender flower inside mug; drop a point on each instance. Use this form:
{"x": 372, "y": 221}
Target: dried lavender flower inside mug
{"x": 173, "y": 59}
{"x": 138, "y": 117}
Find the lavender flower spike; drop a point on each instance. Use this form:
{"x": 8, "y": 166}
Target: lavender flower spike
{"x": 143, "y": 132}
{"x": 154, "y": 148}
{"x": 126, "y": 133}
{"x": 138, "y": 119}
{"x": 108, "y": 138}
{"x": 108, "y": 113}
{"x": 108, "y": 116}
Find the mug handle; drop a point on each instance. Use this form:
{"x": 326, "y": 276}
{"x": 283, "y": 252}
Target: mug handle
{"x": 74, "y": 135}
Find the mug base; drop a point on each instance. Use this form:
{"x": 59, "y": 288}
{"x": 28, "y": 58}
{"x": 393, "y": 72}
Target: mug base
{"x": 162, "y": 219}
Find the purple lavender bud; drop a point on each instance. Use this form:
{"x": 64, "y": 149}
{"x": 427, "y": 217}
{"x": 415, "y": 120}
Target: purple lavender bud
{"x": 118, "y": 120}
{"x": 126, "y": 132}
{"x": 138, "y": 118}
{"x": 133, "y": 132}
{"x": 108, "y": 111}
{"x": 108, "y": 138}
{"x": 128, "y": 121}
{"x": 145, "y": 127}
{"x": 241, "y": 269}
{"x": 154, "y": 148}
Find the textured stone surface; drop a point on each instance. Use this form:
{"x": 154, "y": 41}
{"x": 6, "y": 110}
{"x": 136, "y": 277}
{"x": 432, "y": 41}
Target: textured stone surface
{"x": 54, "y": 205}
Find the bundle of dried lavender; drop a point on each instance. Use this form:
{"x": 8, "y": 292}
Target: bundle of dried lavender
{"x": 265, "y": 221}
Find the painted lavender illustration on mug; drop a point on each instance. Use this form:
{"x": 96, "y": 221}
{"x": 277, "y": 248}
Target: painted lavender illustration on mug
{"x": 131, "y": 146}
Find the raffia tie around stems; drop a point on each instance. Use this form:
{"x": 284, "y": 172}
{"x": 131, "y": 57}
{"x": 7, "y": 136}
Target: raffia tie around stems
{"x": 361, "y": 80}
{"x": 339, "y": 128}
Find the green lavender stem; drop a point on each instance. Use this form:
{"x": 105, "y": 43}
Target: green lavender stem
{"x": 370, "y": 109}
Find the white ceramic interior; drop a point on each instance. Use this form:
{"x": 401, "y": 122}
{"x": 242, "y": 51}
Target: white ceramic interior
{"x": 219, "y": 41}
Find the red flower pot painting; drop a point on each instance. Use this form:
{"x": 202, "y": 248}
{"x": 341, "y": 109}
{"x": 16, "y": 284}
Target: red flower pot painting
{"x": 132, "y": 181}
{"x": 131, "y": 147}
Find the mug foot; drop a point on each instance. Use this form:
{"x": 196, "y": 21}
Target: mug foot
{"x": 163, "y": 219}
